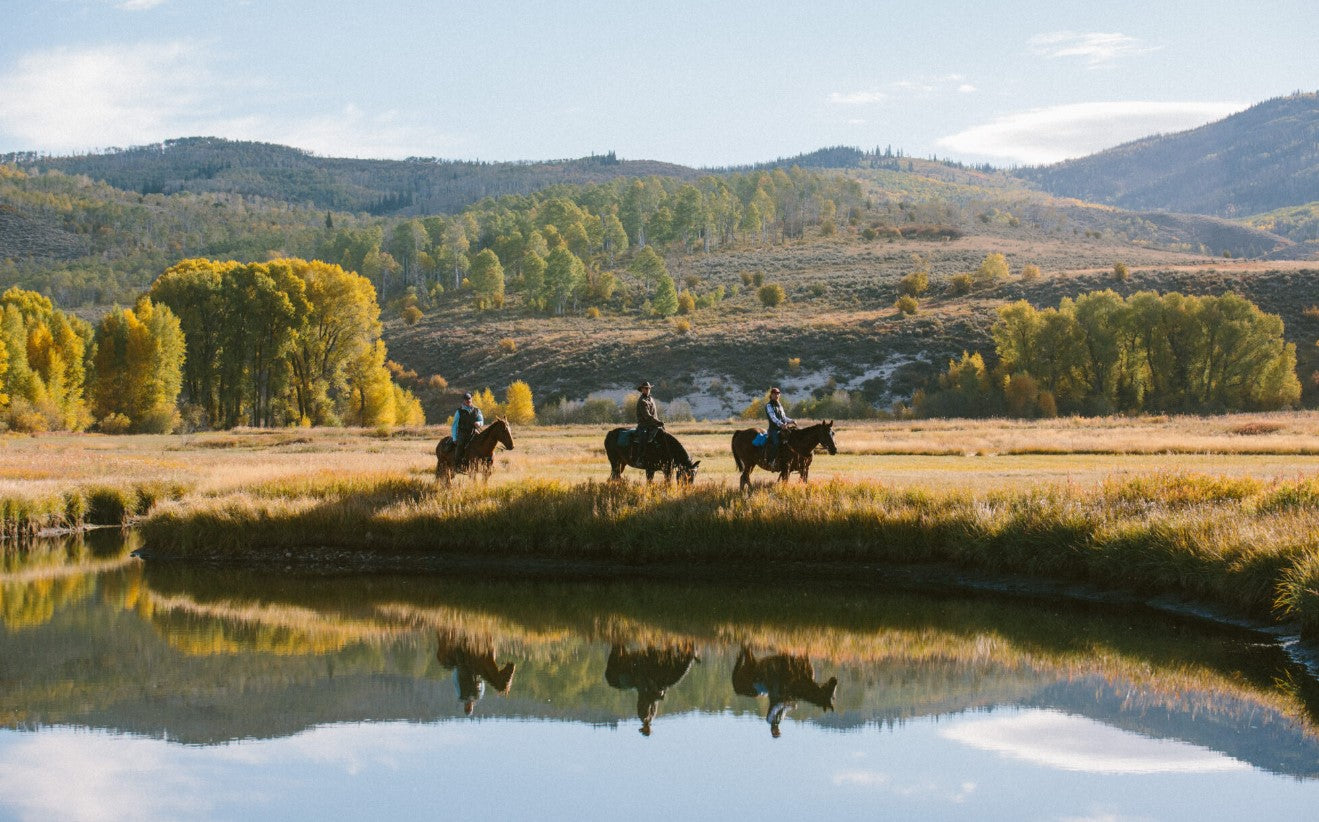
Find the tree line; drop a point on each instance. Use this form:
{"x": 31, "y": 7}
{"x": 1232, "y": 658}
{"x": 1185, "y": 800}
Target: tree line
{"x": 1102, "y": 353}
{"x": 211, "y": 344}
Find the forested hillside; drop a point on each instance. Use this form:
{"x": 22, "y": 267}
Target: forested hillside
{"x": 422, "y": 185}
{"x": 1261, "y": 159}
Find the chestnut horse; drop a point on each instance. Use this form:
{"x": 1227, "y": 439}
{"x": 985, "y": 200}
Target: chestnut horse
{"x": 479, "y": 458}
{"x": 795, "y": 450}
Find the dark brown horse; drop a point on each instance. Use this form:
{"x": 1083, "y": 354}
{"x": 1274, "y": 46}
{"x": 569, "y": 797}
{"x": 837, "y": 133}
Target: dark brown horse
{"x": 795, "y": 450}
{"x": 663, "y": 455}
{"x": 651, "y": 672}
{"x": 784, "y": 679}
{"x": 479, "y": 458}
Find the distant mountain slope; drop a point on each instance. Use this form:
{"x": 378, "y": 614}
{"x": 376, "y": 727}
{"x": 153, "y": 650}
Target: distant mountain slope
{"x": 1258, "y": 160}
{"x": 412, "y": 186}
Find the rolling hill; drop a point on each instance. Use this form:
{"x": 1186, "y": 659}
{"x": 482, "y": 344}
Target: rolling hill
{"x": 1258, "y": 160}
{"x": 413, "y": 186}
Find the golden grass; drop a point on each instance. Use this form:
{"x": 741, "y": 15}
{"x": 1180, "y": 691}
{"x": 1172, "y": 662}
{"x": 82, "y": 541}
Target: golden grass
{"x": 924, "y": 453}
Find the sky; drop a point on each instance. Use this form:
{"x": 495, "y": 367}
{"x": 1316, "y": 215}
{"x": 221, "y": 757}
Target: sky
{"x": 700, "y": 83}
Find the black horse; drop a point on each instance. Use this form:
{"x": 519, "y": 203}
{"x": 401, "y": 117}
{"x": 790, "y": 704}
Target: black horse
{"x": 663, "y": 455}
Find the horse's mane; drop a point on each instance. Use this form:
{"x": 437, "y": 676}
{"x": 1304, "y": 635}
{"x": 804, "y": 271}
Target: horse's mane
{"x": 675, "y": 448}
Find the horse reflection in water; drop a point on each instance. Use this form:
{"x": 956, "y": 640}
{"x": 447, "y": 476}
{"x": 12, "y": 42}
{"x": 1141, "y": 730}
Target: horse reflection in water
{"x": 784, "y": 679}
{"x": 473, "y": 664}
{"x": 651, "y": 672}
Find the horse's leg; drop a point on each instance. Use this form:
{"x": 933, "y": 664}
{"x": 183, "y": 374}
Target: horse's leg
{"x": 650, "y": 475}
{"x": 746, "y": 475}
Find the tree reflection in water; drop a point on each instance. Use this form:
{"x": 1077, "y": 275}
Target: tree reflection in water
{"x": 784, "y": 679}
{"x": 651, "y": 672}
{"x": 473, "y": 664}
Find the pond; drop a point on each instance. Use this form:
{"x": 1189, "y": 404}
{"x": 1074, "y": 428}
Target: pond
{"x": 130, "y": 690}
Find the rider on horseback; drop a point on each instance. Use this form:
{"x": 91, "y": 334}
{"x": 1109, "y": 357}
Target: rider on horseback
{"x": 648, "y": 423}
{"x": 467, "y": 422}
{"x": 778, "y": 422}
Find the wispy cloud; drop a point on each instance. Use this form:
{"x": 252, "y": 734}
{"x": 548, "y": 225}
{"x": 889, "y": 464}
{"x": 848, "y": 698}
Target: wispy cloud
{"x": 138, "y": 5}
{"x": 80, "y": 99}
{"x": 1048, "y": 135}
{"x": 911, "y": 87}
{"x": 1096, "y": 48}
{"x": 857, "y": 98}
{"x": 1072, "y": 743}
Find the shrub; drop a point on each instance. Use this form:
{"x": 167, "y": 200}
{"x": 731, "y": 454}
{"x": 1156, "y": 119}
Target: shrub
{"x": 678, "y": 411}
{"x": 869, "y": 234}
{"x": 771, "y": 295}
{"x": 906, "y": 304}
{"x": 794, "y": 365}
{"x": 914, "y": 284}
{"x": 758, "y": 278}
{"x": 107, "y": 505}
{"x": 993, "y": 269}
{"x": 411, "y": 314}
{"x": 592, "y": 313}
{"x": 1030, "y": 273}
{"x": 594, "y": 411}
{"x": 161, "y": 419}
{"x": 508, "y": 345}
{"x": 686, "y": 302}
{"x": 682, "y": 325}
{"x": 827, "y": 228}
{"x": 818, "y": 289}
{"x": 1120, "y": 272}
{"x": 437, "y": 383}
{"x": 960, "y": 284}
{"x": 114, "y": 423}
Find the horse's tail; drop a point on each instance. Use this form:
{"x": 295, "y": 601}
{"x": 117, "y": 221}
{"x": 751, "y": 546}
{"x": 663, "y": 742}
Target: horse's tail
{"x": 736, "y": 458}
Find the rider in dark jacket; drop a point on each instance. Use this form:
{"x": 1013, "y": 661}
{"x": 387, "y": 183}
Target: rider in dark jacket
{"x": 648, "y": 422}
{"x": 778, "y": 421}
{"x": 467, "y": 422}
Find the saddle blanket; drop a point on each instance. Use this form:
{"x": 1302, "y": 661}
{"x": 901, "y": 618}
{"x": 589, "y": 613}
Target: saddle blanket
{"x": 760, "y": 440}
{"x": 625, "y": 437}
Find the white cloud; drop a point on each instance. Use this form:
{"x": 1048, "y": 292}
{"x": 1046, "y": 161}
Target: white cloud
{"x": 1071, "y": 743}
{"x": 857, "y": 98}
{"x": 912, "y": 87}
{"x": 76, "y": 100}
{"x": 1048, "y": 135}
{"x": 138, "y": 5}
{"x": 1095, "y": 48}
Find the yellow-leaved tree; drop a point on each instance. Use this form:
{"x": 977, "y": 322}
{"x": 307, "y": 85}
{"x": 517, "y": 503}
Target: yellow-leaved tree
{"x": 45, "y": 375}
{"x": 139, "y": 368}
{"x": 518, "y": 405}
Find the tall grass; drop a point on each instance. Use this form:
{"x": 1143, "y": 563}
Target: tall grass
{"x": 24, "y": 516}
{"x": 1241, "y": 544}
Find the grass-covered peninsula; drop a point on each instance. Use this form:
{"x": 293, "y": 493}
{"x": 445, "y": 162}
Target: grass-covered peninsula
{"x": 1248, "y": 546}
{"x": 1218, "y": 510}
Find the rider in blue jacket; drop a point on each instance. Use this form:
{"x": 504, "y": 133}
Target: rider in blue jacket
{"x": 778, "y": 421}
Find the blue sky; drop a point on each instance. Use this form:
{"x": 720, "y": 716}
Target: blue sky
{"x": 700, "y": 83}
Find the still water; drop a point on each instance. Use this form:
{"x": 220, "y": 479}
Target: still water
{"x": 154, "y": 692}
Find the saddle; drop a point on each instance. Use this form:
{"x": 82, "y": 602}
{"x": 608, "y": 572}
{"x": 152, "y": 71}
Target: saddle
{"x": 625, "y": 437}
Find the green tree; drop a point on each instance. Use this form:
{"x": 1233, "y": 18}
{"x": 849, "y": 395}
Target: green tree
{"x": 665, "y": 301}
{"x": 533, "y": 278}
{"x": 563, "y": 270}
{"x": 487, "y": 278}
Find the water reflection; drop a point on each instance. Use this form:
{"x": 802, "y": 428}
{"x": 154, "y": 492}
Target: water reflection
{"x": 473, "y": 664}
{"x": 650, "y": 672}
{"x": 91, "y": 639}
{"x": 784, "y": 679}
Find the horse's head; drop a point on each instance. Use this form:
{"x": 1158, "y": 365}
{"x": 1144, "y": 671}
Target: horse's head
{"x": 502, "y": 433}
{"x": 827, "y": 437}
{"x": 687, "y": 473}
